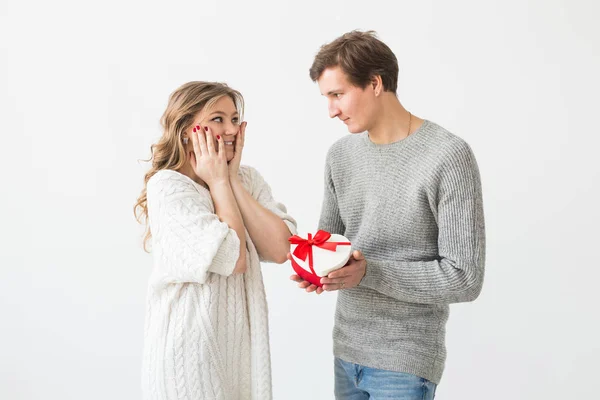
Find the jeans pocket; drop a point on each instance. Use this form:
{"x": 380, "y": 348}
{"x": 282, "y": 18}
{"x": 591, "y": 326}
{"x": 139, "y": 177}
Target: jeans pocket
{"x": 428, "y": 389}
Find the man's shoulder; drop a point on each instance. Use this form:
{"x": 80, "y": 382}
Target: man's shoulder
{"x": 444, "y": 150}
{"x": 346, "y": 145}
{"x": 443, "y": 142}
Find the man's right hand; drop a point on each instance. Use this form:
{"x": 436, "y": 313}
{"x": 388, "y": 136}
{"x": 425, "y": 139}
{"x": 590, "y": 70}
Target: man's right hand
{"x": 302, "y": 284}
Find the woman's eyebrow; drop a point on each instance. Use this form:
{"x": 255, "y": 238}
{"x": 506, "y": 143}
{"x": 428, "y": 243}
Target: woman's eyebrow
{"x": 222, "y": 113}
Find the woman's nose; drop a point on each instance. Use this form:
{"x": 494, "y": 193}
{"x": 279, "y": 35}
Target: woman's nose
{"x": 231, "y": 129}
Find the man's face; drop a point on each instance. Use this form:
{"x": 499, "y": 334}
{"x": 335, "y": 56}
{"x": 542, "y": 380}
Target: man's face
{"x": 351, "y": 104}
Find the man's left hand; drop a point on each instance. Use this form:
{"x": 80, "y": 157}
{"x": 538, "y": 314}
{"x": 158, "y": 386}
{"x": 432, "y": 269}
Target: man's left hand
{"x": 348, "y": 276}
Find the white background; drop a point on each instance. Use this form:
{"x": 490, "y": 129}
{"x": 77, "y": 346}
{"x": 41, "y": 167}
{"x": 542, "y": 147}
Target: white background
{"x": 82, "y": 88}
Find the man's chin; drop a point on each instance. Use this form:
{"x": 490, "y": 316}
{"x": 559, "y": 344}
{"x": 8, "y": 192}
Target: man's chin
{"x": 355, "y": 129}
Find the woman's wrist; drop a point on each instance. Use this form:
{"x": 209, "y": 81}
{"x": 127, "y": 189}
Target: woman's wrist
{"x": 223, "y": 182}
{"x": 236, "y": 182}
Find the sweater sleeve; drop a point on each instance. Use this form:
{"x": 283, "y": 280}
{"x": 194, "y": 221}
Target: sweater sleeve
{"x": 330, "y": 219}
{"x": 261, "y": 191}
{"x": 457, "y": 274}
{"x": 189, "y": 239}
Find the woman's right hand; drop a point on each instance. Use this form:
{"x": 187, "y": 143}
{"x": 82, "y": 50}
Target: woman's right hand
{"x": 208, "y": 163}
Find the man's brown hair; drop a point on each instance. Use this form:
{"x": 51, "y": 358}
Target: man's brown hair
{"x": 361, "y": 56}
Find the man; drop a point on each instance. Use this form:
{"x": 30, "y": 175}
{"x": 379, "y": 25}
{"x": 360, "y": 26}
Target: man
{"x": 407, "y": 194}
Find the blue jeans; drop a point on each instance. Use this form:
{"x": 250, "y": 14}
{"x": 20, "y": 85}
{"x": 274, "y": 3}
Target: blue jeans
{"x": 355, "y": 382}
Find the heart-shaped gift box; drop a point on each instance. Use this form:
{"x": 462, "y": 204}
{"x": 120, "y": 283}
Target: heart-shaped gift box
{"x": 318, "y": 255}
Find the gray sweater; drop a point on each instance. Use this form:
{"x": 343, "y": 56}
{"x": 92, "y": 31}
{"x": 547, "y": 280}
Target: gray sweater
{"x": 414, "y": 208}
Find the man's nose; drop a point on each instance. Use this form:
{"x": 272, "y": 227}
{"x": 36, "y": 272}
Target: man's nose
{"x": 334, "y": 111}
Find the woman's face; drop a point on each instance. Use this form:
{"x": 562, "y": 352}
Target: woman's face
{"x": 221, "y": 120}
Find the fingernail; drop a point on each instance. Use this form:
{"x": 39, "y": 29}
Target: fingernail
{"x": 206, "y": 128}
{"x": 218, "y": 137}
{"x": 194, "y": 129}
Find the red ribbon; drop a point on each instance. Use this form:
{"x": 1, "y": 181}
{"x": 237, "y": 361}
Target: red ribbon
{"x": 304, "y": 250}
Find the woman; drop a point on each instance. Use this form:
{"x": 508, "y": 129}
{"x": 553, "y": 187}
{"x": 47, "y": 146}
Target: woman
{"x": 210, "y": 222}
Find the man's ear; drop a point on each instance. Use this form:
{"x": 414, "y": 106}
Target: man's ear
{"x": 377, "y": 84}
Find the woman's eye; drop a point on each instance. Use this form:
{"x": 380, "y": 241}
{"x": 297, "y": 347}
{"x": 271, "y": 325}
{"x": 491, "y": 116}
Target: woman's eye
{"x": 217, "y": 119}
{"x": 235, "y": 121}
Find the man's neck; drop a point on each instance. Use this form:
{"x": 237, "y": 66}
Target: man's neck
{"x": 392, "y": 123}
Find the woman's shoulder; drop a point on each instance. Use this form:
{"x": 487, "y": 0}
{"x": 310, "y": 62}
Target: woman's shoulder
{"x": 167, "y": 183}
{"x": 251, "y": 177}
{"x": 247, "y": 171}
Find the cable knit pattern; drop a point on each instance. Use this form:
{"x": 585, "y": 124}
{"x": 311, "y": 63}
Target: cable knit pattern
{"x": 414, "y": 208}
{"x": 206, "y": 332}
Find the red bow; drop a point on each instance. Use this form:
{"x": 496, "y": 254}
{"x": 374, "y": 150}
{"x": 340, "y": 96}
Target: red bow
{"x": 304, "y": 248}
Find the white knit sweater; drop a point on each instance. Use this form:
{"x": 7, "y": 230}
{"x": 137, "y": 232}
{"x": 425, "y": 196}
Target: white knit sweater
{"x": 206, "y": 333}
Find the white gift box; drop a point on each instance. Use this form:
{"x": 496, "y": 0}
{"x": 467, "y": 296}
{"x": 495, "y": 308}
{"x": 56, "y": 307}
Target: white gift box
{"x": 324, "y": 259}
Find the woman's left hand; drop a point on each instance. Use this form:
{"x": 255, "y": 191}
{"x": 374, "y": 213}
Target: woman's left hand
{"x": 234, "y": 164}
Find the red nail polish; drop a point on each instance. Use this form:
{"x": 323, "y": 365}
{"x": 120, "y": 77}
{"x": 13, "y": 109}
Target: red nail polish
{"x": 194, "y": 129}
{"x": 218, "y": 137}
{"x": 206, "y": 128}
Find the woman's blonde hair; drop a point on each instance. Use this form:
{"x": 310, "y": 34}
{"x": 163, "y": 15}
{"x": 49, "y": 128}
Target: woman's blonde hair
{"x": 169, "y": 153}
